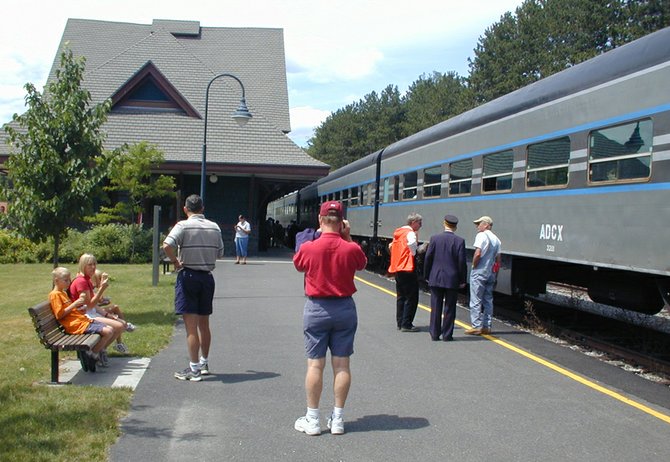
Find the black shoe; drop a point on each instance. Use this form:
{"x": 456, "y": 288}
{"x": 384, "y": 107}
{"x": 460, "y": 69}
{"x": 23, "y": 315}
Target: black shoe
{"x": 435, "y": 339}
{"x": 91, "y": 362}
{"x": 448, "y": 339}
{"x": 410, "y": 329}
{"x": 82, "y": 360}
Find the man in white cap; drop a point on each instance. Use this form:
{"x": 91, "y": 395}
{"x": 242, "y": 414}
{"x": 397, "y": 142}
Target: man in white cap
{"x": 483, "y": 277}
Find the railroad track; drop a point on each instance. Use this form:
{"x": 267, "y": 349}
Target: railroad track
{"x": 636, "y": 346}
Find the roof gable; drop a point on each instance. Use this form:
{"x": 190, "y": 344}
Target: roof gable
{"x": 148, "y": 88}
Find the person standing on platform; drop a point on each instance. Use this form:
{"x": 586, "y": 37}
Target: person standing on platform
{"x": 242, "y": 231}
{"x": 193, "y": 246}
{"x": 403, "y": 267}
{"x": 329, "y": 316}
{"x": 485, "y": 264}
{"x": 446, "y": 272}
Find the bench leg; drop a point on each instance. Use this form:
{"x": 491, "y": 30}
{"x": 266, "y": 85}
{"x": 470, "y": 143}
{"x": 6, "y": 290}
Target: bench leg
{"x": 54, "y": 366}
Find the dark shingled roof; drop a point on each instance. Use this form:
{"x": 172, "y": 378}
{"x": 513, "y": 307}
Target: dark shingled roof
{"x": 188, "y": 56}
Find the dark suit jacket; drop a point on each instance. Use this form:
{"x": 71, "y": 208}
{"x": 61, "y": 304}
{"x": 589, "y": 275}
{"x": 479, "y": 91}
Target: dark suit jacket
{"x": 444, "y": 263}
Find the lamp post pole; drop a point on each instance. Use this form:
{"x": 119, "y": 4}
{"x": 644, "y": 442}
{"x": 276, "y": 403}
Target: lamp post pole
{"x": 241, "y": 116}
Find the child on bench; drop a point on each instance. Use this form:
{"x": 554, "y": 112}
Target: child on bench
{"x": 71, "y": 315}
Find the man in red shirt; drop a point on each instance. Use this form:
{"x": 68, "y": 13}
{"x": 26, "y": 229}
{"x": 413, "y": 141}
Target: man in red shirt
{"x": 329, "y": 317}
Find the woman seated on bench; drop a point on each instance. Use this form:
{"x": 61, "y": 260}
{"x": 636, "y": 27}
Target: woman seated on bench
{"x": 83, "y": 284}
{"x": 71, "y": 315}
{"x": 97, "y": 280}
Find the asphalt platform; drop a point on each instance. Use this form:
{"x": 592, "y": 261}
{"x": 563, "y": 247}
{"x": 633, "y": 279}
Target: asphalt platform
{"x": 510, "y": 396}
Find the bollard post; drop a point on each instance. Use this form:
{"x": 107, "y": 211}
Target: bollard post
{"x": 156, "y": 250}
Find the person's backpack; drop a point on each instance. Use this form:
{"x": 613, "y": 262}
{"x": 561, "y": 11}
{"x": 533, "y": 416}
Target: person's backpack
{"x": 308, "y": 234}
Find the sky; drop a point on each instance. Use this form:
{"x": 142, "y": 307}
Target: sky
{"x": 337, "y": 51}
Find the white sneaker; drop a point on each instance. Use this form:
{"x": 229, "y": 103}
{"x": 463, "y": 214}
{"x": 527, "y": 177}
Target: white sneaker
{"x": 309, "y": 426}
{"x": 122, "y": 348}
{"x": 103, "y": 359}
{"x": 336, "y": 425}
{"x": 204, "y": 368}
{"x": 130, "y": 327}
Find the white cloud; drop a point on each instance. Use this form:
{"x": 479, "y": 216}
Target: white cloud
{"x": 304, "y": 120}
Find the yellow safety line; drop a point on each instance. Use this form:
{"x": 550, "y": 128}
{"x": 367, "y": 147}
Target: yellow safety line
{"x": 664, "y": 417}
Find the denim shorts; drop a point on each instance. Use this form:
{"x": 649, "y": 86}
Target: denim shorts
{"x": 329, "y": 323}
{"x": 194, "y": 292}
{"x": 95, "y": 328}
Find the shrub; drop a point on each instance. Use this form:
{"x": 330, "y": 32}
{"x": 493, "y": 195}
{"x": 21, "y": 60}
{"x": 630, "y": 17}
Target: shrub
{"x": 17, "y": 249}
{"x": 111, "y": 243}
{"x": 115, "y": 243}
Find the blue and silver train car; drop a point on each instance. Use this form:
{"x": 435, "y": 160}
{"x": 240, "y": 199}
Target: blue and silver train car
{"x": 574, "y": 170}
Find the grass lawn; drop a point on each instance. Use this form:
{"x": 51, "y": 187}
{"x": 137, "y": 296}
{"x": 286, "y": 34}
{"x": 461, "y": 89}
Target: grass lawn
{"x": 72, "y": 423}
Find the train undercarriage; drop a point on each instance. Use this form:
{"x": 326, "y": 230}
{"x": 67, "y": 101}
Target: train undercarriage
{"x": 629, "y": 290}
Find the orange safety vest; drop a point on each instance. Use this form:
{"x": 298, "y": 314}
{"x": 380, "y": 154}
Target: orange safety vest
{"x": 402, "y": 259}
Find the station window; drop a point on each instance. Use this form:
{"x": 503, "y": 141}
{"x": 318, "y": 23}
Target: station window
{"x": 460, "y": 177}
{"x": 432, "y": 182}
{"x": 354, "y": 197}
{"x": 548, "y": 163}
{"x": 621, "y": 153}
{"x": 409, "y": 185}
{"x": 497, "y": 174}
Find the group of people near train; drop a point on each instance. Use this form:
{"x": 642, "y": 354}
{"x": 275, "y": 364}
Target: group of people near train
{"x": 445, "y": 270}
{"x": 329, "y": 259}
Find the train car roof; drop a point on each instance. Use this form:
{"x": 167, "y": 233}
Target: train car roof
{"x": 643, "y": 53}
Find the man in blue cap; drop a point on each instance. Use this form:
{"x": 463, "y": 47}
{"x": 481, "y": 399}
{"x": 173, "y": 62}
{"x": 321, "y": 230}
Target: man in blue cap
{"x": 446, "y": 272}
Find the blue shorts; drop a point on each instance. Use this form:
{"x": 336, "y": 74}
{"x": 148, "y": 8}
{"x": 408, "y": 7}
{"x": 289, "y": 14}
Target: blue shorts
{"x": 194, "y": 292}
{"x": 329, "y": 323}
{"x": 95, "y": 328}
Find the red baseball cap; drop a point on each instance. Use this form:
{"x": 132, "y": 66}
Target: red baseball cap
{"x": 332, "y": 209}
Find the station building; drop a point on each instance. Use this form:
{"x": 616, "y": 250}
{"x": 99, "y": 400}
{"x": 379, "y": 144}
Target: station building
{"x": 156, "y": 77}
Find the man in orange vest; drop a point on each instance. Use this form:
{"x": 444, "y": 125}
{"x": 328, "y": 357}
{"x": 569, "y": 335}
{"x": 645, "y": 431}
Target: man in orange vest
{"x": 403, "y": 251}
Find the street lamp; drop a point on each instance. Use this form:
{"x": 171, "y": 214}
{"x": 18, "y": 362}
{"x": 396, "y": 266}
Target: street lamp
{"x": 241, "y": 116}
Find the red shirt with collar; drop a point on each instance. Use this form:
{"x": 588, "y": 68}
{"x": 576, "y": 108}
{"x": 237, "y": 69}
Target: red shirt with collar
{"x": 329, "y": 264}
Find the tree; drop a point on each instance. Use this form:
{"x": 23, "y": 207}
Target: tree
{"x": 359, "y": 128}
{"x": 57, "y": 163}
{"x": 433, "y": 99}
{"x": 130, "y": 174}
{"x": 547, "y": 36}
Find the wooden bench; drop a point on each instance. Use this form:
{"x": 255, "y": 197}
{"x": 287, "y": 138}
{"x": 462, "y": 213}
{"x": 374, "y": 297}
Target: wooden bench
{"x": 166, "y": 264}
{"x": 54, "y": 338}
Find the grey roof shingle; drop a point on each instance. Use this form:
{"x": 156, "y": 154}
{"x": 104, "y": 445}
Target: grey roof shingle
{"x": 189, "y": 56}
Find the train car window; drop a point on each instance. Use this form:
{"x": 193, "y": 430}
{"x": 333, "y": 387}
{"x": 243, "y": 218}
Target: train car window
{"x": 497, "y": 174}
{"x": 409, "y": 185}
{"x": 460, "y": 177}
{"x": 548, "y": 163}
{"x": 396, "y": 188}
{"x": 432, "y": 182}
{"x": 621, "y": 153}
{"x": 353, "y": 202}
{"x": 337, "y": 196}
{"x": 345, "y": 198}
{"x": 388, "y": 188}
{"x": 365, "y": 190}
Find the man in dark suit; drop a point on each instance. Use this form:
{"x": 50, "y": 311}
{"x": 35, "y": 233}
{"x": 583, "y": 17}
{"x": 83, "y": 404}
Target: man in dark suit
{"x": 446, "y": 272}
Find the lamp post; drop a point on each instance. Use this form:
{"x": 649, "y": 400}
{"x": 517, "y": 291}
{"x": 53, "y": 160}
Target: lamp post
{"x": 241, "y": 116}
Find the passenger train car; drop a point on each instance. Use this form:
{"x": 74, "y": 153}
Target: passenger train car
{"x": 574, "y": 170}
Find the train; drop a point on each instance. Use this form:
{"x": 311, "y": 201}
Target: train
{"x": 574, "y": 169}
